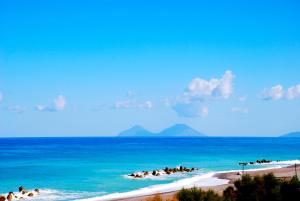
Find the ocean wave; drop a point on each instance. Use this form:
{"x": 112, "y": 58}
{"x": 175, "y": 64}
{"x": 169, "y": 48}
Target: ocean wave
{"x": 58, "y": 195}
{"x": 285, "y": 163}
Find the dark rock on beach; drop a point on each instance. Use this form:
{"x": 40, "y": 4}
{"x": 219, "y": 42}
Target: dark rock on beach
{"x": 166, "y": 170}
{"x": 2, "y": 198}
{"x": 21, "y": 188}
{"x": 10, "y": 196}
{"x": 30, "y": 194}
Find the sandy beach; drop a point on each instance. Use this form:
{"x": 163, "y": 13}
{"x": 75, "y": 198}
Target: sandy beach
{"x": 282, "y": 173}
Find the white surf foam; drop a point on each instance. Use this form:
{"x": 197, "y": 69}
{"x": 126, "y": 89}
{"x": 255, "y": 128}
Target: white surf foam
{"x": 267, "y": 166}
{"x": 285, "y": 163}
{"x": 56, "y": 195}
{"x": 197, "y": 181}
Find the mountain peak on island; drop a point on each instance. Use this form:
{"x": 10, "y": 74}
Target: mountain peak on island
{"x": 177, "y": 130}
{"x": 135, "y": 131}
{"x": 292, "y": 134}
{"x": 180, "y": 130}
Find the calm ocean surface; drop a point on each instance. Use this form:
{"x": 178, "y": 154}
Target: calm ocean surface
{"x": 69, "y": 168}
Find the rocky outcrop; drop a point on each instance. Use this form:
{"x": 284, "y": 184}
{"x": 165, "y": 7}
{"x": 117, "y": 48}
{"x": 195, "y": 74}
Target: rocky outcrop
{"x": 23, "y": 193}
{"x": 157, "y": 173}
{"x": 262, "y": 161}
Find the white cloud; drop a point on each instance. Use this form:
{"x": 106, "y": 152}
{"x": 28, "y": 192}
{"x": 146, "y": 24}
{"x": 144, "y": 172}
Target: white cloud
{"x": 59, "y": 104}
{"x": 240, "y": 110}
{"x": 200, "y": 89}
{"x": 277, "y": 92}
{"x": 274, "y": 93}
{"x": 191, "y": 110}
{"x": 293, "y": 92}
{"x": 147, "y": 105}
{"x": 190, "y": 102}
{"x": 42, "y": 108}
{"x": 131, "y": 102}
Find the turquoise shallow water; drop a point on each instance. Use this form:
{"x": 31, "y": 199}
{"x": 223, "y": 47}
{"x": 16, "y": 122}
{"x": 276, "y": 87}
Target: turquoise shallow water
{"x": 85, "y": 167}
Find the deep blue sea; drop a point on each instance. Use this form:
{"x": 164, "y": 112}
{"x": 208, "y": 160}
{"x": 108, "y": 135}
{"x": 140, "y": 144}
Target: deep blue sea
{"x": 71, "y": 168}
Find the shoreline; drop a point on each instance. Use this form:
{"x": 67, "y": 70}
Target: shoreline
{"x": 280, "y": 172}
{"x": 217, "y": 181}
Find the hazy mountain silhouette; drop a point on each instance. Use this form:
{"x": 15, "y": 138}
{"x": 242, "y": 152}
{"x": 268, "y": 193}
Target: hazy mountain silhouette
{"x": 178, "y": 130}
{"x": 293, "y": 134}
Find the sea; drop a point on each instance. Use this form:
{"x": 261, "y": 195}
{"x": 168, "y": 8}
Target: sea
{"x": 97, "y": 168}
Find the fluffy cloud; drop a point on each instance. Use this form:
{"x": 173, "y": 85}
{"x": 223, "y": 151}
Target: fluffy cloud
{"x": 277, "y": 92}
{"x": 59, "y": 104}
{"x": 129, "y": 104}
{"x": 274, "y": 93}
{"x": 200, "y": 89}
{"x": 240, "y": 110}
{"x": 147, "y": 104}
{"x": 191, "y": 102}
{"x": 293, "y": 92}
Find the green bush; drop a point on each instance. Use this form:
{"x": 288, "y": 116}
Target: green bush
{"x": 263, "y": 188}
{"x": 258, "y": 188}
{"x": 290, "y": 191}
{"x": 229, "y": 194}
{"x": 196, "y": 194}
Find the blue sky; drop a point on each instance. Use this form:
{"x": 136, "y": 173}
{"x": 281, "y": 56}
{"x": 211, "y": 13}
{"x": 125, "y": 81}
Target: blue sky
{"x": 86, "y": 68}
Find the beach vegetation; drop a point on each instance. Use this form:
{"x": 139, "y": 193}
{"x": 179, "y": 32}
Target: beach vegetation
{"x": 249, "y": 188}
{"x": 263, "y": 188}
{"x": 196, "y": 194}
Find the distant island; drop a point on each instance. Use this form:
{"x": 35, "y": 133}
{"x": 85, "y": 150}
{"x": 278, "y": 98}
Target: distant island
{"x": 293, "y": 134}
{"x": 178, "y": 130}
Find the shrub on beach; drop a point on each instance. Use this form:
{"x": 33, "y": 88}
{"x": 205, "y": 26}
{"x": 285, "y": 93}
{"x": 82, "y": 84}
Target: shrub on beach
{"x": 263, "y": 188}
{"x": 229, "y": 194}
{"x": 258, "y": 188}
{"x": 290, "y": 191}
{"x": 196, "y": 194}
